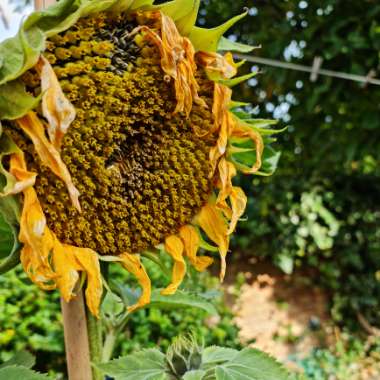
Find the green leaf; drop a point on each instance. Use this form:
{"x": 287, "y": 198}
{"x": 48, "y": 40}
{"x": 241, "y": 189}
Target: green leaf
{"x": 22, "y": 358}
{"x": 181, "y": 299}
{"x": 194, "y": 375}
{"x": 227, "y": 45}
{"x": 15, "y": 101}
{"x": 143, "y": 365}
{"x": 251, "y": 364}
{"x": 20, "y": 373}
{"x": 208, "y": 39}
{"x": 215, "y": 355}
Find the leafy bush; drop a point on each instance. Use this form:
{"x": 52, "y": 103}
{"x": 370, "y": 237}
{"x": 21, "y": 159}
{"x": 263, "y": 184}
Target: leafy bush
{"x": 30, "y": 319}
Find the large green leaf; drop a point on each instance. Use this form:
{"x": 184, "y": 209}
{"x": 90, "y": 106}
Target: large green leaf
{"x": 143, "y": 365}
{"x": 22, "y": 358}
{"x": 251, "y": 364}
{"x": 20, "y": 373}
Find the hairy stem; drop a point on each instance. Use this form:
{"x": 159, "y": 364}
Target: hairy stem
{"x": 94, "y": 327}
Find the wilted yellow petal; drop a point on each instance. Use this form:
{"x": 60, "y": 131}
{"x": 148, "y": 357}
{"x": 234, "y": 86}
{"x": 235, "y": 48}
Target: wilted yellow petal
{"x": 212, "y": 222}
{"x": 226, "y": 172}
{"x": 245, "y": 132}
{"x": 68, "y": 261}
{"x": 48, "y": 263}
{"x": 224, "y": 123}
{"x": 56, "y": 108}
{"x": 34, "y": 235}
{"x": 238, "y": 204}
{"x": 18, "y": 178}
{"x": 132, "y": 264}
{"x": 174, "y": 247}
{"x": 177, "y": 60}
{"x": 49, "y": 155}
{"x": 217, "y": 66}
{"x": 191, "y": 241}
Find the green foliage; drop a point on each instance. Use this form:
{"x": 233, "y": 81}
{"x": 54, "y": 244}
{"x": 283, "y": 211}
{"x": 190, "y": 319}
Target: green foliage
{"x": 152, "y": 327}
{"x": 19, "y": 367}
{"x": 351, "y": 358}
{"x": 321, "y": 208}
{"x": 185, "y": 359}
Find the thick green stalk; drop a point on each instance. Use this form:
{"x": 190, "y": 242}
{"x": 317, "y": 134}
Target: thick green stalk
{"x": 94, "y": 327}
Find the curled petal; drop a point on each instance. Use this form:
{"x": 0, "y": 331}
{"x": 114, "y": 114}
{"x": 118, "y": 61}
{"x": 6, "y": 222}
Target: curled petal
{"x": 68, "y": 261}
{"x": 56, "y": 108}
{"x": 48, "y": 263}
{"x": 224, "y": 123}
{"x": 217, "y": 66}
{"x": 18, "y": 179}
{"x": 49, "y": 155}
{"x": 177, "y": 60}
{"x": 238, "y": 204}
{"x": 132, "y": 264}
{"x": 247, "y": 133}
{"x": 174, "y": 247}
{"x": 212, "y": 222}
{"x": 191, "y": 242}
{"x": 226, "y": 172}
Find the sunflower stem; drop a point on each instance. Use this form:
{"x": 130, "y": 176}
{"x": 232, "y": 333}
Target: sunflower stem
{"x": 109, "y": 345}
{"x": 94, "y": 327}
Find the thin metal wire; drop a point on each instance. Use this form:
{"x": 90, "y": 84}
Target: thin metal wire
{"x": 308, "y": 69}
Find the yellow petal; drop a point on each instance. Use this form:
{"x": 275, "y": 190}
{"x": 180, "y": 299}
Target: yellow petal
{"x": 191, "y": 242}
{"x": 34, "y": 235}
{"x": 224, "y": 123}
{"x": 132, "y": 264}
{"x": 20, "y": 178}
{"x": 49, "y": 155}
{"x": 240, "y": 131}
{"x": 56, "y": 108}
{"x": 174, "y": 247}
{"x": 68, "y": 261}
{"x": 48, "y": 263}
{"x": 238, "y": 204}
{"x": 226, "y": 172}
{"x": 217, "y": 66}
{"x": 177, "y": 60}
{"x": 212, "y": 222}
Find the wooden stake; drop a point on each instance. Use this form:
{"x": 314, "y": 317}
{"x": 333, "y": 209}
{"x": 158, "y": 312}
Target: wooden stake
{"x": 76, "y": 339}
{"x": 74, "y": 314}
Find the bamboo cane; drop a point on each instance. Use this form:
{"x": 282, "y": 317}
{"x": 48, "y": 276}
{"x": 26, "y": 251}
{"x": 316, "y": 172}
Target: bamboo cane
{"x": 74, "y": 315}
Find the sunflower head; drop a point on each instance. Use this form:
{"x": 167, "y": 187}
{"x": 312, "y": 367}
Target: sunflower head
{"x": 120, "y": 137}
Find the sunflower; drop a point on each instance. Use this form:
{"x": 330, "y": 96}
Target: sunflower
{"x": 119, "y": 138}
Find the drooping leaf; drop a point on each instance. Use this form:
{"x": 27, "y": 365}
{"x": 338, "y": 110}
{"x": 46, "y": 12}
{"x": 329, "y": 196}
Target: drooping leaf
{"x": 19, "y": 372}
{"x": 227, "y": 45}
{"x": 143, "y": 365}
{"x": 15, "y": 101}
{"x": 181, "y": 299}
{"x": 251, "y": 364}
{"x": 22, "y": 358}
